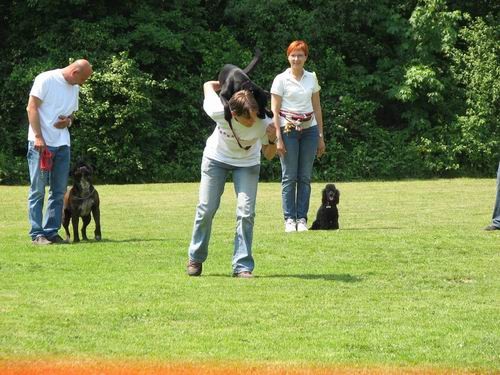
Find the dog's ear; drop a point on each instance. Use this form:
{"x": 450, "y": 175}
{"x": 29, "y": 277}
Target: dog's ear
{"x": 248, "y": 85}
{"x": 261, "y": 100}
{"x": 324, "y": 199}
{"x": 227, "y": 111}
{"x": 337, "y": 196}
{"x": 73, "y": 170}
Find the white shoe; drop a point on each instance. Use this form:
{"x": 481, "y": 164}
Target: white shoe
{"x": 290, "y": 225}
{"x": 301, "y": 225}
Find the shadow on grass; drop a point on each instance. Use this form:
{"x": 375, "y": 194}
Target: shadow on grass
{"x": 345, "y": 278}
{"x": 106, "y": 240}
{"x": 369, "y": 228}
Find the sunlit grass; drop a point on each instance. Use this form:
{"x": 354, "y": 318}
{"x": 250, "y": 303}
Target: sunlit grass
{"x": 411, "y": 279}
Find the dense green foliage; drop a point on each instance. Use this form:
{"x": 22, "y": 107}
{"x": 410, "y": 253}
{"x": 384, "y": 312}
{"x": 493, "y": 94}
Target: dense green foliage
{"x": 409, "y": 88}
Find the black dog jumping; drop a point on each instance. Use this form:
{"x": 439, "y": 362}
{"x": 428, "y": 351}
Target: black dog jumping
{"x": 81, "y": 200}
{"x": 328, "y": 214}
{"x": 233, "y": 79}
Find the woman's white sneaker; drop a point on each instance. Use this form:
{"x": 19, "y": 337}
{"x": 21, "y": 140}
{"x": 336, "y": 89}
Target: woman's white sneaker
{"x": 290, "y": 225}
{"x": 301, "y": 225}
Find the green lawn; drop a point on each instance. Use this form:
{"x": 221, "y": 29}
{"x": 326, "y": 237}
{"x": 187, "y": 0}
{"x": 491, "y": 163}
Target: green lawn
{"x": 410, "y": 280}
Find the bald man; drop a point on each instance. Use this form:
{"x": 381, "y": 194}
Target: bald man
{"x": 52, "y": 102}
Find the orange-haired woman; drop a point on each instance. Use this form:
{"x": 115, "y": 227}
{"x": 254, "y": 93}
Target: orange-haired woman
{"x": 299, "y": 127}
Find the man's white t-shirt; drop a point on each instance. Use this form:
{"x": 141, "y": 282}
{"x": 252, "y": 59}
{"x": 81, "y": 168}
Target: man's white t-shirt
{"x": 223, "y": 147}
{"x": 58, "y": 98}
{"x": 296, "y": 94}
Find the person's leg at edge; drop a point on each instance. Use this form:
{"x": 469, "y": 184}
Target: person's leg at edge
{"x": 213, "y": 179}
{"x": 58, "y": 182}
{"x": 289, "y": 166}
{"x": 245, "y": 185}
{"x": 36, "y": 192}
{"x": 496, "y": 210}
{"x": 308, "y": 147}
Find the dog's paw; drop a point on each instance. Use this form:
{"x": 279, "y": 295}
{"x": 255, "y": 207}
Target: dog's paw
{"x": 98, "y": 238}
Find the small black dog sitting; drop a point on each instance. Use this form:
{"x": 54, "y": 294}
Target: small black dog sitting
{"x": 81, "y": 200}
{"x": 328, "y": 214}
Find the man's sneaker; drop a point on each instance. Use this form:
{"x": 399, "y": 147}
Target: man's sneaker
{"x": 301, "y": 225}
{"x": 491, "y": 227}
{"x": 41, "y": 240}
{"x": 58, "y": 240}
{"x": 290, "y": 225}
{"x": 243, "y": 274}
{"x": 194, "y": 268}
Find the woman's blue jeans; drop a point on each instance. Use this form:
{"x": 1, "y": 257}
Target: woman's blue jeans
{"x": 296, "y": 169}
{"x": 57, "y": 179}
{"x": 213, "y": 179}
{"x": 496, "y": 209}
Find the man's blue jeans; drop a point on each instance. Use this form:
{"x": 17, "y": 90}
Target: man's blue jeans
{"x": 496, "y": 210}
{"x": 296, "y": 169}
{"x": 213, "y": 179}
{"x": 57, "y": 179}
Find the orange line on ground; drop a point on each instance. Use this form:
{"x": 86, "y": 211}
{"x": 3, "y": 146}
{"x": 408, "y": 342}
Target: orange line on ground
{"x": 65, "y": 367}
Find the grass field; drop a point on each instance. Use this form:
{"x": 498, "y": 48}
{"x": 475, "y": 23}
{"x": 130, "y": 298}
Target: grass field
{"x": 410, "y": 281}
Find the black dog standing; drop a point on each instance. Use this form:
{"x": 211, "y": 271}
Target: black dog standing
{"x": 328, "y": 214}
{"x": 81, "y": 200}
{"x": 233, "y": 79}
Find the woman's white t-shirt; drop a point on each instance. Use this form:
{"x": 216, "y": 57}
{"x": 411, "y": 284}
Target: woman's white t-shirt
{"x": 296, "y": 94}
{"x": 223, "y": 147}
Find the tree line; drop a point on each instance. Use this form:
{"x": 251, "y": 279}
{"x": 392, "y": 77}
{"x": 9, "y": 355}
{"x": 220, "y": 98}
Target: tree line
{"x": 410, "y": 89}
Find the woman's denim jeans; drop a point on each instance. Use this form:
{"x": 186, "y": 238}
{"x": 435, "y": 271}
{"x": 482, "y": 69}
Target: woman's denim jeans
{"x": 296, "y": 169}
{"x": 496, "y": 210}
{"x": 213, "y": 179}
{"x": 57, "y": 179}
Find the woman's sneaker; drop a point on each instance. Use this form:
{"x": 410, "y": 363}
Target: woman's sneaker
{"x": 301, "y": 225}
{"x": 290, "y": 225}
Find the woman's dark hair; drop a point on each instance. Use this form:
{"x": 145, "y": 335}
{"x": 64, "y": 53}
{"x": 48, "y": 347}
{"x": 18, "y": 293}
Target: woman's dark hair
{"x": 242, "y": 103}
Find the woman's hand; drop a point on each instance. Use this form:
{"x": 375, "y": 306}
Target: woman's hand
{"x": 271, "y": 132}
{"x": 275, "y": 107}
{"x": 210, "y": 88}
{"x": 214, "y": 85}
{"x": 321, "y": 147}
{"x": 280, "y": 147}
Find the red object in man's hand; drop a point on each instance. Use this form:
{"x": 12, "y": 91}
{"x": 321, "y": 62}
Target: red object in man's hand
{"x": 46, "y": 160}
